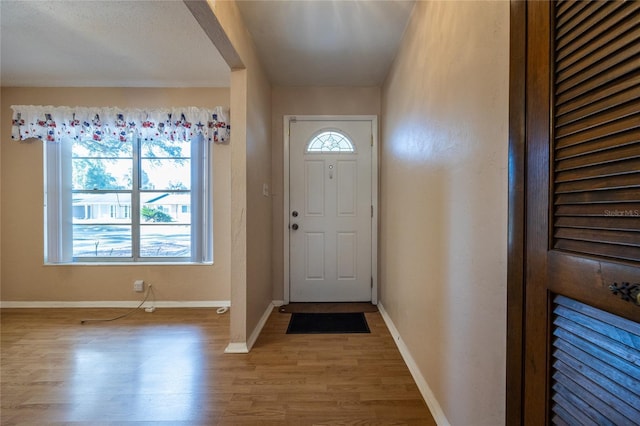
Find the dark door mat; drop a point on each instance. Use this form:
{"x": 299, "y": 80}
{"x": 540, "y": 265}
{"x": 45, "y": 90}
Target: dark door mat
{"x": 327, "y": 307}
{"x": 327, "y": 323}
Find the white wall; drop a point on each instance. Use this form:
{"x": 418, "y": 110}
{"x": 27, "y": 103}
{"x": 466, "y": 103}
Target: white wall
{"x": 443, "y": 240}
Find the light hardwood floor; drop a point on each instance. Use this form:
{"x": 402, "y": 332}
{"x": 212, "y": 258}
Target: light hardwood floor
{"x": 168, "y": 367}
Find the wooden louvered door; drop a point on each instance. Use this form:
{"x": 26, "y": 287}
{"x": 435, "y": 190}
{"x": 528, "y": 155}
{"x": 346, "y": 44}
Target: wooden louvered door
{"x": 582, "y": 226}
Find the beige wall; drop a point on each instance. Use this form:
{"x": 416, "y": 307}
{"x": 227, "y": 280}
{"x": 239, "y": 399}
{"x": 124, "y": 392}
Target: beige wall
{"x": 444, "y": 202}
{"x": 25, "y": 278}
{"x": 259, "y": 206}
{"x": 306, "y": 101}
{"x": 251, "y": 284}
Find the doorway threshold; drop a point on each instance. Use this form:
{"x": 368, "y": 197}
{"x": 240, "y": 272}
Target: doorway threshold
{"x": 327, "y": 307}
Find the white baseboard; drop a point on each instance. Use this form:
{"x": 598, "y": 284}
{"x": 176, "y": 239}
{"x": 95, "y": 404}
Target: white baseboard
{"x": 236, "y": 348}
{"x": 425, "y": 390}
{"x": 256, "y": 331}
{"x": 118, "y": 304}
{"x": 278, "y": 303}
{"x": 243, "y": 348}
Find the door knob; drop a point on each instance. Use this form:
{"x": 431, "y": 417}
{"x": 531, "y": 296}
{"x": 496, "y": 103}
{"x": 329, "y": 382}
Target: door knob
{"x": 294, "y": 226}
{"x": 294, "y": 213}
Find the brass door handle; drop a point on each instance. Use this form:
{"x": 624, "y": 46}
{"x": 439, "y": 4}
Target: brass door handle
{"x": 627, "y": 291}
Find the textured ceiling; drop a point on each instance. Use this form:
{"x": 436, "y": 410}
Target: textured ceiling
{"x": 326, "y": 42}
{"x": 143, "y": 43}
{"x": 157, "y": 43}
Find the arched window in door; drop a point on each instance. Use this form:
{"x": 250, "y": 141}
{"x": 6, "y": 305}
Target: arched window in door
{"x": 330, "y": 141}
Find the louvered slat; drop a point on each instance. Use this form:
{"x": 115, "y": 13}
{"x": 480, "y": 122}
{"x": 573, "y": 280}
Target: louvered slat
{"x": 611, "y": 142}
{"x": 605, "y": 115}
{"x": 566, "y": 6}
{"x": 599, "y": 210}
{"x": 596, "y": 135}
{"x": 630, "y": 224}
{"x": 586, "y": 414}
{"x": 606, "y": 415}
{"x": 560, "y": 421}
{"x": 611, "y": 196}
{"x": 574, "y": 359}
{"x": 593, "y": 33}
{"x": 566, "y": 105}
{"x": 574, "y": 415}
{"x": 631, "y": 180}
{"x": 602, "y": 156}
{"x": 570, "y": 23}
{"x": 593, "y": 29}
{"x": 626, "y": 356}
{"x": 590, "y": 171}
{"x": 597, "y": 31}
{"x": 606, "y": 19}
{"x": 617, "y": 50}
{"x": 630, "y": 124}
{"x": 595, "y": 366}
{"x": 581, "y": 358}
{"x": 594, "y": 320}
{"x": 595, "y": 75}
{"x": 580, "y": 112}
{"x": 609, "y": 318}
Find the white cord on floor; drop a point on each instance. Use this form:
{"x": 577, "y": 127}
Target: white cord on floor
{"x": 222, "y": 310}
{"x": 149, "y": 291}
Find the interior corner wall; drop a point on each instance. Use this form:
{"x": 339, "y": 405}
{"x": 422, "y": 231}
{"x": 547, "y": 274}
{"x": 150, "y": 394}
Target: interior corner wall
{"x": 1, "y": 139}
{"x": 305, "y": 101}
{"x": 24, "y": 276}
{"x": 238, "y": 145}
{"x": 251, "y": 215}
{"x": 443, "y": 218}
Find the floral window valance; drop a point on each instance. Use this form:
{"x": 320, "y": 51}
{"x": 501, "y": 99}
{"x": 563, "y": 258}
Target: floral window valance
{"x": 54, "y": 124}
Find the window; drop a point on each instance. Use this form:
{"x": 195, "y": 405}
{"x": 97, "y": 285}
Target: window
{"x": 330, "y": 141}
{"x": 140, "y": 201}
{"x": 125, "y": 185}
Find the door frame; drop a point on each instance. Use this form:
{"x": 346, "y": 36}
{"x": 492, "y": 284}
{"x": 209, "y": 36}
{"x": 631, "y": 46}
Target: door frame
{"x": 516, "y": 254}
{"x": 374, "y": 193}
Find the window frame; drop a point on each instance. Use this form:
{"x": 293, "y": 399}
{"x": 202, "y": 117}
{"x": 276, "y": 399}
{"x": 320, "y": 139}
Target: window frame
{"x": 58, "y": 207}
{"x": 317, "y": 135}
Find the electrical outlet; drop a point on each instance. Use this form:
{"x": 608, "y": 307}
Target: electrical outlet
{"x": 138, "y": 285}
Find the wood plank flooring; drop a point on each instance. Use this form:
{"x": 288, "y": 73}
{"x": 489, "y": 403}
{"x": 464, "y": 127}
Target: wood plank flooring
{"x": 169, "y": 367}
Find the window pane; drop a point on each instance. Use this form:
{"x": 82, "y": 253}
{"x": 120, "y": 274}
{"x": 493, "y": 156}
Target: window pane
{"x": 105, "y": 208}
{"x": 101, "y": 173}
{"x": 167, "y": 207}
{"x": 165, "y": 148}
{"x": 113, "y": 219}
{"x": 330, "y": 142}
{"x": 101, "y": 241}
{"x": 104, "y": 148}
{"x": 166, "y": 174}
{"x": 165, "y": 241}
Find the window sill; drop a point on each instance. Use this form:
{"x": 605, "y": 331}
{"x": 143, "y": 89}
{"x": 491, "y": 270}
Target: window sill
{"x": 130, "y": 264}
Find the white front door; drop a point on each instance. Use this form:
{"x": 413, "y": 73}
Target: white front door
{"x": 330, "y": 210}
